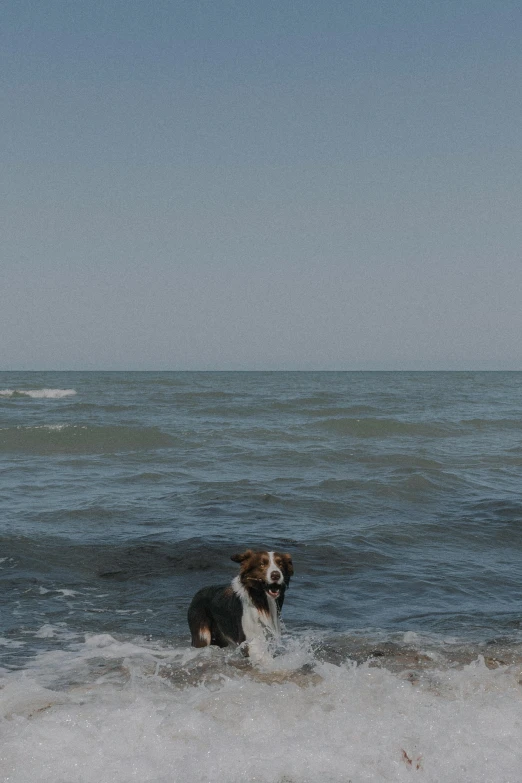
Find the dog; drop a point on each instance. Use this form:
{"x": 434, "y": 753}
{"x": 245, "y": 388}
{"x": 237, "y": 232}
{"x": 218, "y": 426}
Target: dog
{"x": 243, "y": 612}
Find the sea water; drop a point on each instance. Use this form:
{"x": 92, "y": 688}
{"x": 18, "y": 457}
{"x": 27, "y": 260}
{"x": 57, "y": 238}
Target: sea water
{"x": 398, "y": 496}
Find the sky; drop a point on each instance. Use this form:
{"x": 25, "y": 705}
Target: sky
{"x": 266, "y": 185}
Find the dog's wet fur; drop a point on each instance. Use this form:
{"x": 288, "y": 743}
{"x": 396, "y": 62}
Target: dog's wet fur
{"x": 240, "y": 612}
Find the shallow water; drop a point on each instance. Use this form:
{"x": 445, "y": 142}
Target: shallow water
{"x": 398, "y": 495}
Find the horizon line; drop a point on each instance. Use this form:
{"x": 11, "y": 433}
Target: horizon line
{"x": 237, "y": 370}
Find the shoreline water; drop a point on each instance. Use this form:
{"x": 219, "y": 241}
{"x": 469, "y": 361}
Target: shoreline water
{"x": 128, "y": 709}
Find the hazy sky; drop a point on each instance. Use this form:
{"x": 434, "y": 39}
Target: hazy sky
{"x": 261, "y": 185}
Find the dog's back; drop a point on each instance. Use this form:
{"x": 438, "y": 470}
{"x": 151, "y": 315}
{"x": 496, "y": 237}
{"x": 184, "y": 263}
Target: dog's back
{"x": 214, "y": 617}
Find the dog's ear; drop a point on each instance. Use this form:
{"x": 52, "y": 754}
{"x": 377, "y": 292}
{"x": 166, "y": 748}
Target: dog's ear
{"x": 287, "y": 564}
{"x": 244, "y": 556}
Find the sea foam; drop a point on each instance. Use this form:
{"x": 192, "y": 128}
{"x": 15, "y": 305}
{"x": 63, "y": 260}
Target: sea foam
{"x": 116, "y": 711}
{"x": 52, "y": 394}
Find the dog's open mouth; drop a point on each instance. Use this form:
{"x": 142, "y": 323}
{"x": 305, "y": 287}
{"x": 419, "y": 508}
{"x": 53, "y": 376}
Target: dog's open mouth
{"x": 273, "y": 590}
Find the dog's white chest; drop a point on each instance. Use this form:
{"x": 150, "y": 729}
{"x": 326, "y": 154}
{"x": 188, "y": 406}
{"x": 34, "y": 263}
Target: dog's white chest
{"x": 253, "y": 621}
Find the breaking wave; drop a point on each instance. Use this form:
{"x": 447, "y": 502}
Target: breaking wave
{"x": 132, "y": 709}
{"x": 37, "y": 394}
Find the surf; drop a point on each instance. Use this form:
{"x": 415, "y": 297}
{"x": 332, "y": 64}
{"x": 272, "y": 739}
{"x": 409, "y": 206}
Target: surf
{"x": 135, "y": 709}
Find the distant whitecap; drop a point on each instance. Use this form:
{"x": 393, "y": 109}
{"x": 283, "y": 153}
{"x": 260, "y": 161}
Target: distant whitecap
{"x": 52, "y": 394}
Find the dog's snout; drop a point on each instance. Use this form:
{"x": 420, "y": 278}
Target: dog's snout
{"x": 275, "y": 576}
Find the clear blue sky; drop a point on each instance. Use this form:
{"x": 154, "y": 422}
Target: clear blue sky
{"x": 261, "y": 185}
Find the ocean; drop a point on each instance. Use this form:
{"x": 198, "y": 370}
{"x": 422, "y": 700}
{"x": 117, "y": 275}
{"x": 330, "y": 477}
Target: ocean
{"x": 398, "y": 496}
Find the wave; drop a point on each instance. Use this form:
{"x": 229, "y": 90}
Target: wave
{"x": 130, "y": 708}
{"x": 37, "y": 394}
{"x": 80, "y": 438}
{"x": 483, "y": 424}
{"x": 372, "y": 427}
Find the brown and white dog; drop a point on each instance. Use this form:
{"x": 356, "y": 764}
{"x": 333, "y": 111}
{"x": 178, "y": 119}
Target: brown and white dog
{"x": 241, "y": 613}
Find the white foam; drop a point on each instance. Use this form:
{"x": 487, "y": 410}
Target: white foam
{"x": 57, "y": 427}
{"x": 48, "y": 427}
{"x": 10, "y": 642}
{"x": 227, "y": 722}
{"x": 51, "y": 394}
{"x": 45, "y": 632}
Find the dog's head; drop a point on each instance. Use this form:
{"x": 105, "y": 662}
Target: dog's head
{"x": 267, "y": 571}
